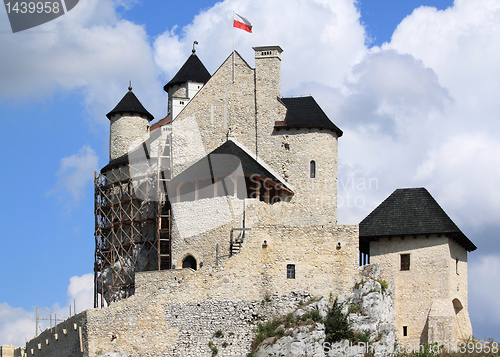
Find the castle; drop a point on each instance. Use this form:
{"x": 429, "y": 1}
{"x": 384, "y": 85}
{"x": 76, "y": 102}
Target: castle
{"x": 224, "y": 212}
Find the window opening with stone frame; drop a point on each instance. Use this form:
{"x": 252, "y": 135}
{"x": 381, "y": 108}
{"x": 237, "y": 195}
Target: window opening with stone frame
{"x": 312, "y": 169}
{"x": 405, "y": 330}
{"x": 290, "y": 271}
{"x": 405, "y": 261}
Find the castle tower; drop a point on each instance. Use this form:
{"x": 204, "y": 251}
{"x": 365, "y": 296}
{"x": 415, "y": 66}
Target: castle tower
{"x": 129, "y": 124}
{"x": 185, "y": 84}
{"x": 267, "y": 90}
{"x": 296, "y": 138}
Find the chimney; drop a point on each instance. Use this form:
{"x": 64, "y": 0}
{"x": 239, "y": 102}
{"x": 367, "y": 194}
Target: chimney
{"x": 268, "y": 71}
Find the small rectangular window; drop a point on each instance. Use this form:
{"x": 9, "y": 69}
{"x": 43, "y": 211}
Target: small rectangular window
{"x": 290, "y": 271}
{"x": 312, "y": 169}
{"x": 405, "y": 261}
{"x": 405, "y": 330}
{"x": 456, "y": 266}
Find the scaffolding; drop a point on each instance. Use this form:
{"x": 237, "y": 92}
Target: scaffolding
{"x": 132, "y": 223}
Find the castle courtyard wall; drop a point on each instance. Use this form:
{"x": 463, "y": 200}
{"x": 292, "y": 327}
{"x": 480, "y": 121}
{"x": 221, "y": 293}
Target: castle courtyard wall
{"x": 177, "y": 312}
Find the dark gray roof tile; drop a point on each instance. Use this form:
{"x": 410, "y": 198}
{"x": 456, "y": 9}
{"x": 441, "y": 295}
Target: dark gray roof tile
{"x": 304, "y": 112}
{"x": 192, "y": 70}
{"x": 410, "y": 211}
{"x": 130, "y": 104}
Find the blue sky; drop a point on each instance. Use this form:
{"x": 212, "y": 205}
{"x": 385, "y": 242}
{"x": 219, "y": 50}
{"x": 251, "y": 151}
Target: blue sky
{"x": 413, "y": 84}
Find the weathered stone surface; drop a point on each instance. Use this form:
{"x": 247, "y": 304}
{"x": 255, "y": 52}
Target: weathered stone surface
{"x": 115, "y": 354}
{"x": 374, "y": 313}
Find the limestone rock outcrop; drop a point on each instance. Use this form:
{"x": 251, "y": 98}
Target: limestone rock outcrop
{"x": 370, "y": 311}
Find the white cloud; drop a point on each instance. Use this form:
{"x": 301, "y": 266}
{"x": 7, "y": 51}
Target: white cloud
{"x": 322, "y": 38}
{"x": 80, "y": 295}
{"x": 461, "y": 45}
{"x": 89, "y": 48}
{"x": 465, "y": 169}
{"x": 484, "y": 305}
{"x": 75, "y": 173}
{"x": 18, "y": 325}
{"x": 423, "y": 111}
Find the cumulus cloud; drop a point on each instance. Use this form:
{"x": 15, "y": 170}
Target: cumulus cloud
{"x": 90, "y": 49}
{"x": 484, "y": 305}
{"x": 322, "y": 38}
{"x": 18, "y": 325}
{"x": 465, "y": 169}
{"x": 75, "y": 173}
{"x": 422, "y": 111}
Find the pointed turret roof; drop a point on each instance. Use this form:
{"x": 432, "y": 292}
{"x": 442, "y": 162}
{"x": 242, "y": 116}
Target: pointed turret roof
{"x": 411, "y": 211}
{"x": 192, "y": 71}
{"x": 130, "y": 104}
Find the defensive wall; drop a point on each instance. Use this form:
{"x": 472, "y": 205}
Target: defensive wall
{"x": 177, "y": 312}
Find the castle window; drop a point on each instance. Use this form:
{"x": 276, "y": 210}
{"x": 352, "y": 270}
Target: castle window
{"x": 290, "y": 271}
{"x": 181, "y": 102}
{"x": 312, "y": 169}
{"x": 405, "y": 261}
{"x": 405, "y": 330}
{"x": 189, "y": 262}
{"x": 456, "y": 266}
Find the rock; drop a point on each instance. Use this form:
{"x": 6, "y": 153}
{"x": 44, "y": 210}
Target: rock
{"x": 114, "y": 354}
{"x": 372, "y": 311}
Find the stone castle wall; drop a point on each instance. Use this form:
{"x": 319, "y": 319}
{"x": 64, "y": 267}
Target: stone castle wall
{"x": 424, "y": 294}
{"x": 246, "y": 110}
{"x": 68, "y": 338}
{"x": 11, "y": 351}
{"x": 180, "y": 310}
{"x": 126, "y": 132}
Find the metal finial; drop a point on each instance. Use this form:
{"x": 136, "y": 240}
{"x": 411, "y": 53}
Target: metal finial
{"x": 130, "y": 85}
{"x": 194, "y": 43}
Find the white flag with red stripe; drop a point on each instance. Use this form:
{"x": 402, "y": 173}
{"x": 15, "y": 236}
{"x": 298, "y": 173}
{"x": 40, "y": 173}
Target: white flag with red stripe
{"x": 242, "y": 23}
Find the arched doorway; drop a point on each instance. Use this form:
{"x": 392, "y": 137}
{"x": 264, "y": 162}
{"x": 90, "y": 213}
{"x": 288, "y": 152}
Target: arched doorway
{"x": 189, "y": 262}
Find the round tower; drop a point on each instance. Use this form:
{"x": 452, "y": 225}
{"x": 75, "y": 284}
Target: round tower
{"x": 129, "y": 123}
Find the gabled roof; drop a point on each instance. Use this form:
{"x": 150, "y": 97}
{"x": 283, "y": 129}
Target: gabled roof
{"x": 304, "y": 112}
{"x": 411, "y": 211}
{"x": 130, "y": 104}
{"x": 226, "y": 160}
{"x": 161, "y": 122}
{"x": 192, "y": 71}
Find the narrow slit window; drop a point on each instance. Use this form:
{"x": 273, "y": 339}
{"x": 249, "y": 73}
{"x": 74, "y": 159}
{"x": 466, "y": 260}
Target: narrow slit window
{"x": 456, "y": 266}
{"x": 290, "y": 271}
{"x": 405, "y": 330}
{"x": 312, "y": 169}
{"x": 405, "y": 261}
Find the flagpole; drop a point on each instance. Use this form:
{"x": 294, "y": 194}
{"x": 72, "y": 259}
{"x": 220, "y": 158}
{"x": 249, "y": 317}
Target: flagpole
{"x": 233, "y": 47}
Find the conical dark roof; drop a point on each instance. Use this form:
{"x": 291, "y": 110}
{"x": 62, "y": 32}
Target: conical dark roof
{"x": 130, "y": 104}
{"x": 192, "y": 71}
{"x": 411, "y": 211}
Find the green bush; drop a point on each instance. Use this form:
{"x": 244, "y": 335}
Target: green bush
{"x": 337, "y": 326}
{"x": 315, "y": 316}
{"x": 289, "y": 320}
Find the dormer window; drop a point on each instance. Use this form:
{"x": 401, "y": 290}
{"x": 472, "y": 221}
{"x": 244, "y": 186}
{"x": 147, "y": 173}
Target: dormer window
{"x": 312, "y": 169}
